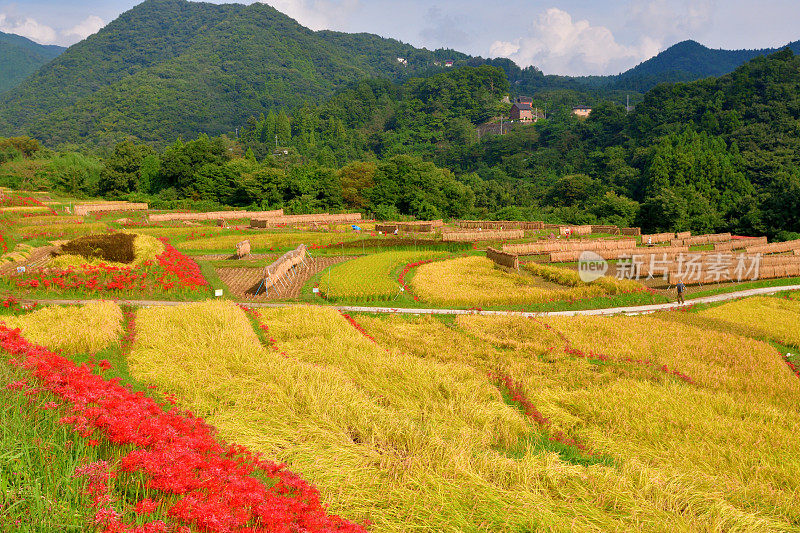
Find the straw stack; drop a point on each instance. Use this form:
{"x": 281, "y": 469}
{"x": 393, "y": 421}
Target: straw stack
{"x": 214, "y": 215}
{"x": 85, "y": 209}
{"x": 503, "y": 258}
{"x": 472, "y": 236}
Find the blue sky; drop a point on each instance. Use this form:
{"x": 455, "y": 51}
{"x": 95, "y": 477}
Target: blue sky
{"x": 559, "y": 36}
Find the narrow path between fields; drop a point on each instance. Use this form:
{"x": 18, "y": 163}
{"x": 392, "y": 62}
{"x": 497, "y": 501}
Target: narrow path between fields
{"x": 633, "y": 310}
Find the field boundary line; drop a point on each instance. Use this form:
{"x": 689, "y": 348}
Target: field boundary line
{"x": 631, "y": 310}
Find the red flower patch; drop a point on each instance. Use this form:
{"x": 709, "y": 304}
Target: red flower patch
{"x": 171, "y": 270}
{"x": 214, "y": 487}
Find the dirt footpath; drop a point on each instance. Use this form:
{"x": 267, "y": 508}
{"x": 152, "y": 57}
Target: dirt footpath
{"x": 244, "y": 282}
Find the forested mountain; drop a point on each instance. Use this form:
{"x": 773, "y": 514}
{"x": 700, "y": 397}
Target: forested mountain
{"x": 21, "y": 57}
{"x": 712, "y": 155}
{"x": 172, "y": 67}
{"x": 688, "y": 61}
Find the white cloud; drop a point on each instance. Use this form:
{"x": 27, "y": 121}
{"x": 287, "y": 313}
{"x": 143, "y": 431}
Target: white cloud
{"x": 672, "y": 20}
{"x": 558, "y": 45}
{"x": 44, "y": 34}
{"x": 317, "y": 14}
{"x": 87, "y": 27}
{"x": 28, "y": 27}
{"x": 445, "y": 29}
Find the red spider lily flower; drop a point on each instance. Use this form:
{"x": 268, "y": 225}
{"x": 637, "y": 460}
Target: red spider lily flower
{"x": 214, "y": 487}
{"x": 146, "y": 506}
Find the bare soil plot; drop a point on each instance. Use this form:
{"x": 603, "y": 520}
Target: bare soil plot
{"x": 38, "y": 258}
{"x": 224, "y": 257}
{"x": 244, "y": 282}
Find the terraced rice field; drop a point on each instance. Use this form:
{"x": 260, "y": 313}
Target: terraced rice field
{"x": 496, "y": 424}
{"x": 61, "y": 230}
{"x": 73, "y": 330}
{"x": 777, "y": 316}
{"x": 24, "y": 209}
{"x": 679, "y": 421}
{"x": 476, "y": 281}
{"x": 265, "y": 241}
{"x": 81, "y": 452}
{"x": 697, "y": 424}
{"x": 145, "y": 249}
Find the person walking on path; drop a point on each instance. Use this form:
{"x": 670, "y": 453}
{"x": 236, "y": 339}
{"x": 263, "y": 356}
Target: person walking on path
{"x": 680, "y": 288}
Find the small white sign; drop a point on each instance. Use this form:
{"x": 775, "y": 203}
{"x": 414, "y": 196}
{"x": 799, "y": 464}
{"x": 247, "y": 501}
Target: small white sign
{"x": 21, "y": 270}
{"x": 315, "y": 290}
{"x": 218, "y": 293}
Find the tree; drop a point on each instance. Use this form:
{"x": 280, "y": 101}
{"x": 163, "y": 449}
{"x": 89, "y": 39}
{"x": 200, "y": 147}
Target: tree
{"x": 574, "y": 189}
{"x": 419, "y": 188}
{"x": 148, "y": 173}
{"x": 665, "y": 211}
{"x": 25, "y": 145}
{"x": 75, "y": 173}
{"x": 121, "y": 174}
{"x": 283, "y": 129}
{"x": 355, "y": 178}
{"x": 181, "y": 161}
{"x": 616, "y": 210}
{"x": 782, "y": 206}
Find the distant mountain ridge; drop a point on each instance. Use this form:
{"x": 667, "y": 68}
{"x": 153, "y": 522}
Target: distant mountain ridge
{"x": 689, "y": 61}
{"x": 682, "y": 62}
{"x": 21, "y": 57}
{"x": 171, "y": 67}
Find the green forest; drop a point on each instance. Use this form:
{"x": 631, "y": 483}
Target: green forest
{"x": 719, "y": 154}
{"x": 20, "y": 57}
{"x": 171, "y": 67}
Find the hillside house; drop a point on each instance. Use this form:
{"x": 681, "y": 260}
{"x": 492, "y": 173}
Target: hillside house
{"x": 582, "y": 111}
{"x": 403, "y": 61}
{"x": 448, "y": 63}
{"x": 521, "y": 113}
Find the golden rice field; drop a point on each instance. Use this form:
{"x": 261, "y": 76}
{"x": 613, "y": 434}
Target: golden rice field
{"x": 369, "y": 277}
{"x": 476, "y": 281}
{"x": 265, "y": 241}
{"x": 411, "y": 434}
{"x": 55, "y": 230}
{"x": 778, "y": 317}
{"x": 571, "y": 278}
{"x": 180, "y": 232}
{"x": 48, "y": 220}
{"x": 392, "y": 438}
{"x": 24, "y": 209}
{"x": 21, "y": 252}
{"x": 145, "y": 247}
{"x": 74, "y": 329}
{"x": 714, "y": 455}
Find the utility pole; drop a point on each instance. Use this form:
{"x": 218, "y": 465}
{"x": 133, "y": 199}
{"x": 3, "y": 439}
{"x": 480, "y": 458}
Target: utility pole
{"x": 276, "y": 141}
